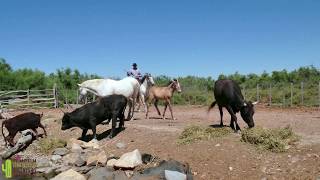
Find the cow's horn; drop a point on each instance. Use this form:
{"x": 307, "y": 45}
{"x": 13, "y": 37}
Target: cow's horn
{"x": 254, "y": 103}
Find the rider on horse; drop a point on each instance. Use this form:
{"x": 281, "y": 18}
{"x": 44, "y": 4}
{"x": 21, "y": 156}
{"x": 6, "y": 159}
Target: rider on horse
{"x": 135, "y": 72}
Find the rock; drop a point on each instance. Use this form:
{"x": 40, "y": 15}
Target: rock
{"x": 174, "y": 175}
{"x": 217, "y": 145}
{"x": 83, "y": 169}
{"x": 171, "y": 165}
{"x": 147, "y": 158}
{"x": 264, "y": 169}
{"x": 55, "y": 158}
{"x": 120, "y": 175}
{"x": 111, "y": 162}
{"x": 43, "y": 162}
{"x": 230, "y": 168}
{"x": 101, "y": 173}
{"x": 74, "y": 159}
{"x": 76, "y": 148}
{"x": 48, "y": 172}
{"x": 100, "y": 158}
{"x": 60, "y": 151}
{"x": 74, "y": 141}
{"x": 120, "y": 145}
{"x": 62, "y": 169}
{"x": 129, "y": 160}
{"x": 70, "y": 174}
{"x": 91, "y": 144}
{"x": 264, "y": 178}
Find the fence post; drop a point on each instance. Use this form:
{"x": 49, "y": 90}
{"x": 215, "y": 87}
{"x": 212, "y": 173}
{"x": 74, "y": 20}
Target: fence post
{"x": 258, "y": 98}
{"x": 319, "y": 94}
{"x": 55, "y": 95}
{"x": 302, "y": 93}
{"x": 28, "y": 96}
{"x": 291, "y": 94}
{"x": 270, "y": 95}
{"x": 77, "y": 97}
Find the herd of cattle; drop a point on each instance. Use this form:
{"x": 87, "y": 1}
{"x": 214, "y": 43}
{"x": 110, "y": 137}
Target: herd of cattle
{"x": 112, "y": 107}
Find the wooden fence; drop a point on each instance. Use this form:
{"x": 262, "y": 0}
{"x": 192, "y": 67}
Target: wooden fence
{"x": 29, "y": 98}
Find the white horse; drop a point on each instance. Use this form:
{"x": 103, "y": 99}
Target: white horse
{"x": 128, "y": 87}
{"x": 146, "y": 83}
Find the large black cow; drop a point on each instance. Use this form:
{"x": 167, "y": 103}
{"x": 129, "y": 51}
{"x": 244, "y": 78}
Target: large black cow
{"x": 228, "y": 94}
{"x": 92, "y": 114}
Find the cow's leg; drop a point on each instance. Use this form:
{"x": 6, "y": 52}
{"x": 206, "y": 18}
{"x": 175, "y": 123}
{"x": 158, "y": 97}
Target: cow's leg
{"x": 221, "y": 116}
{"x": 35, "y": 131}
{"x": 114, "y": 123}
{"x": 164, "y": 111}
{"x": 233, "y": 119}
{"x": 84, "y": 132}
{"x": 170, "y": 108}
{"x": 44, "y": 130}
{"x": 156, "y": 105}
{"x": 130, "y": 108}
{"x": 11, "y": 138}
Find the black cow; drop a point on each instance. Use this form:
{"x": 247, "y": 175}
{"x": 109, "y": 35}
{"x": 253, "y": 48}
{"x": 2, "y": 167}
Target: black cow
{"x": 20, "y": 123}
{"x": 92, "y": 114}
{"x": 228, "y": 94}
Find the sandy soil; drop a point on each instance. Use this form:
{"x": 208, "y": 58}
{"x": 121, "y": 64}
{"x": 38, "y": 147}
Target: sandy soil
{"x": 222, "y": 158}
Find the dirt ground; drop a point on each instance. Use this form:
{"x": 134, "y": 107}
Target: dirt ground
{"x": 221, "y": 158}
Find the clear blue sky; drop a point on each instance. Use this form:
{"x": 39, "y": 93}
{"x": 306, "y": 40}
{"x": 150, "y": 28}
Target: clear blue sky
{"x": 175, "y": 38}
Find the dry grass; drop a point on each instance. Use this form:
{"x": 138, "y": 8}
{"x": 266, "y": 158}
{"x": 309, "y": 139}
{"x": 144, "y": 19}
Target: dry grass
{"x": 275, "y": 140}
{"x": 47, "y": 145}
{"x": 195, "y": 133}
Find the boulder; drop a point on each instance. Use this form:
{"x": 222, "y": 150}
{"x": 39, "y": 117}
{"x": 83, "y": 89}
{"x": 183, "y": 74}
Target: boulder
{"x": 120, "y": 145}
{"x": 129, "y": 160}
{"x": 56, "y": 158}
{"x": 74, "y": 159}
{"x": 94, "y": 144}
{"x": 101, "y": 173}
{"x": 100, "y": 158}
{"x": 43, "y": 162}
{"x": 70, "y": 174}
{"x": 60, "y": 151}
{"x": 174, "y": 175}
{"x": 76, "y": 148}
{"x": 111, "y": 162}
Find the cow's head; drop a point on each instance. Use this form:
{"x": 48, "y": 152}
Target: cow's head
{"x": 247, "y": 111}
{"x": 66, "y": 122}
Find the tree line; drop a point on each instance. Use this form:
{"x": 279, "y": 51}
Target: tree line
{"x": 196, "y": 90}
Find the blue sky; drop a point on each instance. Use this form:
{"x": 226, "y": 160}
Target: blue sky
{"x": 175, "y": 38}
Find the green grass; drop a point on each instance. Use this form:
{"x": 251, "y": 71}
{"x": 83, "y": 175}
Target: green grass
{"x": 47, "y": 145}
{"x": 275, "y": 140}
{"x": 196, "y": 133}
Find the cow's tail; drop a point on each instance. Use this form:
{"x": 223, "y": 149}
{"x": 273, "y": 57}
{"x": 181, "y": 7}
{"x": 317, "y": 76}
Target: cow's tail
{"x": 212, "y": 105}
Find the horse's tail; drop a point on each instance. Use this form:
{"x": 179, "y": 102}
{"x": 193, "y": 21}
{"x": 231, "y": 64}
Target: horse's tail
{"x": 212, "y": 105}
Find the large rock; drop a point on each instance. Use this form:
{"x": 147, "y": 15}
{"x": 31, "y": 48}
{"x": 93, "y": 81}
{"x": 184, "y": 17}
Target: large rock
{"x": 76, "y": 148}
{"x": 101, "y": 173}
{"x": 111, "y": 162}
{"x": 70, "y": 174}
{"x": 43, "y": 162}
{"x": 74, "y": 141}
{"x": 100, "y": 158}
{"x": 60, "y": 151}
{"x": 74, "y": 159}
{"x": 55, "y": 158}
{"x": 93, "y": 144}
{"x": 129, "y": 160}
{"x": 174, "y": 175}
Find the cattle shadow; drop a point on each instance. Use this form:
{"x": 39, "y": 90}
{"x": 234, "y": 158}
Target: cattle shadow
{"x": 218, "y": 126}
{"x": 101, "y": 136}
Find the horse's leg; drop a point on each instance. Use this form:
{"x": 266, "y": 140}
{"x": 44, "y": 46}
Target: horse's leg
{"x": 170, "y": 108}
{"x": 164, "y": 111}
{"x": 144, "y": 103}
{"x": 133, "y": 105}
{"x": 156, "y": 105}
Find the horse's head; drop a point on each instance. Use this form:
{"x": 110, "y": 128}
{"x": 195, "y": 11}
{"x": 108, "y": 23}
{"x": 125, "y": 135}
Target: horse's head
{"x": 176, "y": 85}
{"x": 147, "y": 78}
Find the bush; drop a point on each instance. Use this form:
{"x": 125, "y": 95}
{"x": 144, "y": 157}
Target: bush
{"x": 47, "y": 145}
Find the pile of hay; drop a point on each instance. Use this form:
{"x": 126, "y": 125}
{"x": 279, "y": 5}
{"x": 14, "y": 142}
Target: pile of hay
{"x": 275, "y": 140}
{"x": 195, "y": 133}
{"x": 46, "y": 145}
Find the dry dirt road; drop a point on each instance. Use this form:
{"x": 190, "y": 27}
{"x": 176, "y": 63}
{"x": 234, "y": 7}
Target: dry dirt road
{"x": 221, "y": 158}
